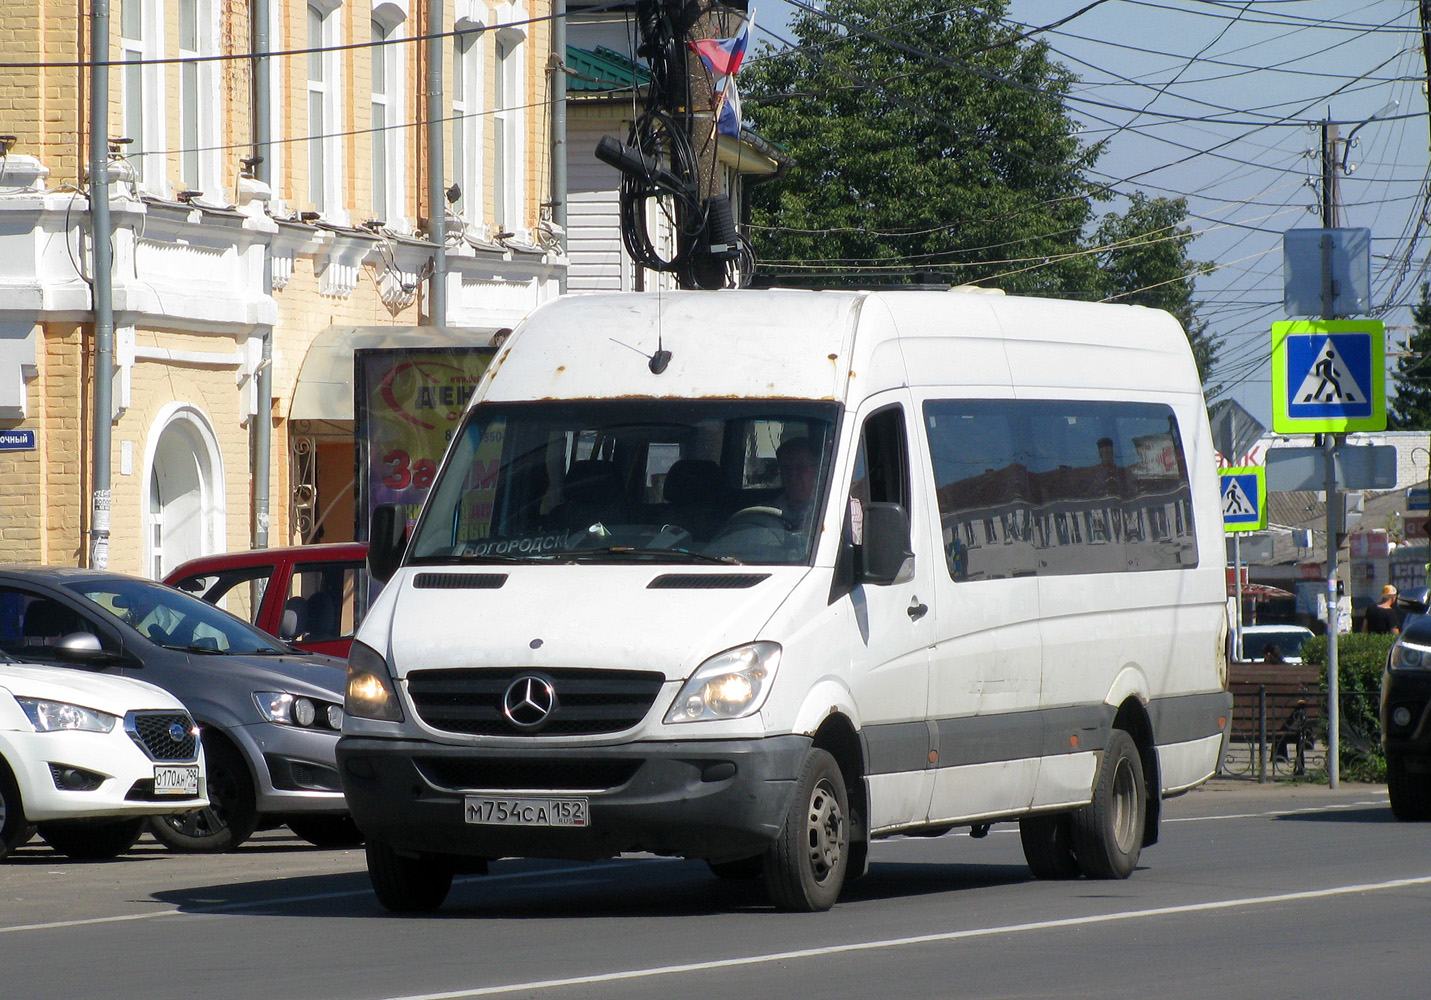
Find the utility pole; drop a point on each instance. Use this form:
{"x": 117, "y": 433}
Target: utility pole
{"x": 101, "y": 284}
{"x": 1331, "y": 212}
{"x": 262, "y": 436}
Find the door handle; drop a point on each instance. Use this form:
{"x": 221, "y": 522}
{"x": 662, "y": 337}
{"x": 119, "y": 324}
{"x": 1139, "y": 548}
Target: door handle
{"x": 916, "y": 610}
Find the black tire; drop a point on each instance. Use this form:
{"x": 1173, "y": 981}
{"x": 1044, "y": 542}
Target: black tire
{"x": 407, "y": 885}
{"x": 93, "y": 839}
{"x": 740, "y": 870}
{"x": 327, "y": 829}
{"x": 231, "y": 815}
{"x": 15, "y": 832}
{"x": 1410, "y": 793}
{"x": 805, "y": 867}
{"x": 1048, "y": 846}
{"x": 1108, "y": 832}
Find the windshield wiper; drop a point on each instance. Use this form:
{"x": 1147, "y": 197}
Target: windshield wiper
{"x": 654, "y": 554}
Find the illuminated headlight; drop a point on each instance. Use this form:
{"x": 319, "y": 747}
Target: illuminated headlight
{"x": 370, "y": 692}
{"x": 59, "y": 716}
{"x": 729, "y": 685}
{"x": 295, "y": 710}
{"x": 1404, "y": 657}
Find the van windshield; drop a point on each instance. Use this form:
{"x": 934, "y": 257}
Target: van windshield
{"x": 616, "y": 481}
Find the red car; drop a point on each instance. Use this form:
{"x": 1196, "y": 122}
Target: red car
{"x": 311, "y": 596}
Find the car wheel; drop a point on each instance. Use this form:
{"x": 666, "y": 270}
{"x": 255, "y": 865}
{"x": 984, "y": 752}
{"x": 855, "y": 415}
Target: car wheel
{"x": 1048, "y": 846}
{"x": 93, "y": 839}
{"x": 805, "y": 867}
{"x": 14, "y": 831}
{"x": 231, "y": 815}
{"x": 327, "y": 830}
{"x": 407, "y": 885}
{"x": 1108, "y": 832}
{"x": 1410, "y": 793}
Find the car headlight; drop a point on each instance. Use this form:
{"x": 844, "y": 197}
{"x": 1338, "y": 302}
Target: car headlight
{"x": 1404, "y": 657}
{"x": 729, "y": 685}
{"x": 298, "y": 710}
{"x": 370, "y": 691}
{"x": 60, "y": 716}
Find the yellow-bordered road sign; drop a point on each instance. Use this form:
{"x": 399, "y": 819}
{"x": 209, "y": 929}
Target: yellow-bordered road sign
{"x": 1244, "y": 499}
{"x": 1328, "y": 376}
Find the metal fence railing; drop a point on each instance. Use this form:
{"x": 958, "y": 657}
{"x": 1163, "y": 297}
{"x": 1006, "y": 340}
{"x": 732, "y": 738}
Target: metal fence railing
{"x": 1280, "y": 730}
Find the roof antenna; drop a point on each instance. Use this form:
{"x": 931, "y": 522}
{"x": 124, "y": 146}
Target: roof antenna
{"x": 659, "y": 361}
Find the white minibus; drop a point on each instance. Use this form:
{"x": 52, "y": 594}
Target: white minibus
{"x": 759, "y": 577}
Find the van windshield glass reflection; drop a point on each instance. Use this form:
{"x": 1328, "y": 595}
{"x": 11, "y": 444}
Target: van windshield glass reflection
{"x": 666, "y": 481}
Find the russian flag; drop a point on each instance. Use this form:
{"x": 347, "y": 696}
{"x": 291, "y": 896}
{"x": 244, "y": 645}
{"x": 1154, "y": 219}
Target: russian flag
{"x": 723, "y": 56}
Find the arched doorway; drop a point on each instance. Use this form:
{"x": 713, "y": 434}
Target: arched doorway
{"x": 184, "y": 509}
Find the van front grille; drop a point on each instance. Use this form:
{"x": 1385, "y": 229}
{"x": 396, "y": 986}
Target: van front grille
{"x": 528, "y": 775}
{"x": 587, "y": 702}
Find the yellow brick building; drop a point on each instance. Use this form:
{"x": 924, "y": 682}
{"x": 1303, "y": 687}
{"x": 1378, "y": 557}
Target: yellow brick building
{"x": 340, "y": 226}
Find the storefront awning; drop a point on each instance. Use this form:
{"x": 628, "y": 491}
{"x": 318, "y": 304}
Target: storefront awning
{"x": 324, "y": 390}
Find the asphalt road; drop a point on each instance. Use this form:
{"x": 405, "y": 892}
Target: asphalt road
{"x": 1278, "y": 892}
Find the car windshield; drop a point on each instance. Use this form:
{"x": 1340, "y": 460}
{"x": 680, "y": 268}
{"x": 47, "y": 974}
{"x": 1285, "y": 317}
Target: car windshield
{"x": 612, "y": 481}
{"x": 172, "y": 619}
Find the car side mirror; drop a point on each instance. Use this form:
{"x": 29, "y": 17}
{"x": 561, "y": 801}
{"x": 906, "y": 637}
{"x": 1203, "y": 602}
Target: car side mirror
{"x": 85, "y": 647}
{"x": 886, "y": 555}
{"x": 1413, "y": 600}
{"x": 387, "y": 538}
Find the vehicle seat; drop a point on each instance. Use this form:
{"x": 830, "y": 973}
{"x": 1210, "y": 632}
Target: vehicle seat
{"x": 295, "y": 619}
{"x": 695, "y": 488}
{"x": 322, "y": 617}
{"x": 590, "y": 493}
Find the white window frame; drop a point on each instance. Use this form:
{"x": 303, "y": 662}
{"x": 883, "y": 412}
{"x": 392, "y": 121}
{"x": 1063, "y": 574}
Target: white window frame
{"x": 324, "y": 192}
{"x": 146, "y": 154}
{"x": 468, "y": 155}
{"x": 388, "y": 146}
{"x": 509, "y": 120}
{"x": 200, "y": 166}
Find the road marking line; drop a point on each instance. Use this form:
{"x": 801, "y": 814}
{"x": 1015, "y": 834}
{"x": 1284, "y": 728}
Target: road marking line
{"x": 1282, "y": 812}
{"x": 905, "y": 942}
{"x": 312, "y": 897}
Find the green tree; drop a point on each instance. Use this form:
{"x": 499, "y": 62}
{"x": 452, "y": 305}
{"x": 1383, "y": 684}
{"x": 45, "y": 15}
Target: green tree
{"x": 1142, "y": 257}
{"x": 1411, "y": 409}
{"x": 929, "y": 139}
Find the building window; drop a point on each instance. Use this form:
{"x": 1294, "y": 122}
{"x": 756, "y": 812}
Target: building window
{"x": 325, "y": 156}
{"x": 141, "y": 40}
{"x": 387, "y": 117}
{"x": 509, "y": 99}
{"x": 467, "y": 120}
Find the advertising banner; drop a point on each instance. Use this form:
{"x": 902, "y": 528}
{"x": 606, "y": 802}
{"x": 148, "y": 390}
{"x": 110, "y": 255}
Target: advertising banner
{"x": 408, "y": 403}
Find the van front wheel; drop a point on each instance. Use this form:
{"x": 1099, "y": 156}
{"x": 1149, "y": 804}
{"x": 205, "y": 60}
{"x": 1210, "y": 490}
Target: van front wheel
{"x": 1108, "y": 832}
{"x": 805, "y": 867}
{"x": 407, "y": 885}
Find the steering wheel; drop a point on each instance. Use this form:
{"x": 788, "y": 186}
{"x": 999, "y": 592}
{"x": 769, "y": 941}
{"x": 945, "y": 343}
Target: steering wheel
{"x": 770, "y": 518}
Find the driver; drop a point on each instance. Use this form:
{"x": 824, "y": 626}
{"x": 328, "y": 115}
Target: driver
{"x": 799, "y": 464}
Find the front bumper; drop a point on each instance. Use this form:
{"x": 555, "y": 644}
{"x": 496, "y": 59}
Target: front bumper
{"x": 722, "y": 800}
{"x": 1411, "y": 690}
{"x": 295, "y": 768}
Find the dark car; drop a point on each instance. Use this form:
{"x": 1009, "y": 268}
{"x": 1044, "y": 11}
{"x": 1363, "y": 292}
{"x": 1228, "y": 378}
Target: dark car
{"x": 1406, "y": 712}
{"x": 310, "y": 596}
{"x": 270, "y": 716}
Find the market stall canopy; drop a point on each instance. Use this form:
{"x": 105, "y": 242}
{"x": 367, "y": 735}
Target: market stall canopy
{"x": 325, "y": 381}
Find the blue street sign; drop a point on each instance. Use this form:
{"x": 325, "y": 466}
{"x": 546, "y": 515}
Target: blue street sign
{"x": 1328, "y": 376}
{"x": 1244, "y": 499}
{"x": 1418, "y": 498}
{"x": 17, "y": 440}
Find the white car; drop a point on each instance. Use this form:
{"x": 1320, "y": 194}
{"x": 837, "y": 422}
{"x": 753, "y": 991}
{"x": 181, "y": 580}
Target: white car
{"x": 1287, "y": 638}
{"x": 88, "y": 758}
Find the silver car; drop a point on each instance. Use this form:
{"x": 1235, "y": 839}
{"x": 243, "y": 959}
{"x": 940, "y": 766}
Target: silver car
{"x": 270, "y": 716}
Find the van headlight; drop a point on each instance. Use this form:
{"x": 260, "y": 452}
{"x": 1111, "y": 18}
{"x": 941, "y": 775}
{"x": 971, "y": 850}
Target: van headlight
{"x": 1404, "y": 657}
{"x": 729, "y": 685}
{"x": 370, "y": 693}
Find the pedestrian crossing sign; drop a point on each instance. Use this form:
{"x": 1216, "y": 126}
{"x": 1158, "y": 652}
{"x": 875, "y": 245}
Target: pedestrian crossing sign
{"x": 1328, "y": 376}
{"x": 1244, "y": 499}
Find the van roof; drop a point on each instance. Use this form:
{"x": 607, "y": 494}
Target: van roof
{"x": 803, "y": 344}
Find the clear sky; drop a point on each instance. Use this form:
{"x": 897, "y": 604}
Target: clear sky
{"x": 1218, "y": 101}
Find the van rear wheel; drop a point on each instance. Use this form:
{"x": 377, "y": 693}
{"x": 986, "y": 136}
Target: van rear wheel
{"x": 404, "y": 884}
{"x": 805, "y": 867}
{"x": 1048, "y": 846}
{"x": 1108, "y": 832}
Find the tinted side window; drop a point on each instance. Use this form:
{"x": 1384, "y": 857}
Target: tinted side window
{"x": 222, "y": 588}
{"x": 323, "y": 599}
{"x": 31, "y": 624}
{"x": 1059, "y": 487}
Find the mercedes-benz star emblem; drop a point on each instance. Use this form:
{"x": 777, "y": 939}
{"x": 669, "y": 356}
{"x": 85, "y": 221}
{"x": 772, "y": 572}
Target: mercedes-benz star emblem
{"x": 529, "y": 702}
{"x": 177, "y": 733}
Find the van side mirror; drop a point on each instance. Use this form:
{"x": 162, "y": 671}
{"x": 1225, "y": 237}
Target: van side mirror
{"x": 387, "y": 538}
{"x": 886, "y": 556}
